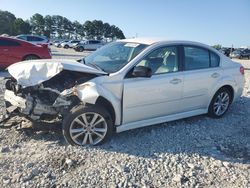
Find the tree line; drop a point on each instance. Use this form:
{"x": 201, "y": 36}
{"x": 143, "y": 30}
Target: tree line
{"x": 57, "y": 26}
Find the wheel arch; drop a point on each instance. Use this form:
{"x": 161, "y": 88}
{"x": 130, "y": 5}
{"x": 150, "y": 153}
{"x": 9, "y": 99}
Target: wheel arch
{"x": 107, "y": 105}
{"x": 95, "y": 94}
{"x": 227, "y": 86}
{"x": 30, "y": 55}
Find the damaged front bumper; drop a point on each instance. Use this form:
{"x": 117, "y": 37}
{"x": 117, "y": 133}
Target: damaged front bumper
{"x": 35, "y": 102}
{"x": 27, "y": 106}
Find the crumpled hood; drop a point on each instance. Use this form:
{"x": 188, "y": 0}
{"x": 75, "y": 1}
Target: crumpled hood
{"x": 33, "y": 72}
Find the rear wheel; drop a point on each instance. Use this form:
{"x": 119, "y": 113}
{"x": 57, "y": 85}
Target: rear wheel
{"x": 66, "y": 46}
{"x": 81, "y": 49}
{"x": 220, "y": 103}
{"x": 30, "y": 57}
{"x": 87, "y": 125}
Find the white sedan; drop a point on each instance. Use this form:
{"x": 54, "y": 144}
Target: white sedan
{"x": 125, "y": 85}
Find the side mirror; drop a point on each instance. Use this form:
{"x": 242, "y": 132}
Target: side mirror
{"x": 142, "y": 71}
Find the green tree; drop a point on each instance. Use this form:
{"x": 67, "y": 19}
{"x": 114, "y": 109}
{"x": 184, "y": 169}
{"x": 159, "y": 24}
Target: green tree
{"x": 78, "y": 29}
{"x": 217, "y": 46}
{"x": 68, "y": 27}
{"x": 37, "y": 23}
{"x": 48, "y": 26}
{"x": 89, "y": 29}
{"x": 106, "y": 30}
{"x": 115, "y": 32}
{"x": 21, "y": 27}
{"x": 98, "y": 29}
{"x": 6, "y": 22}
{"x": 58, "y": 25}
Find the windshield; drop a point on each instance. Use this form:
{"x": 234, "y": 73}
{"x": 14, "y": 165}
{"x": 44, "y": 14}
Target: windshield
{"x": 112, "y": 57}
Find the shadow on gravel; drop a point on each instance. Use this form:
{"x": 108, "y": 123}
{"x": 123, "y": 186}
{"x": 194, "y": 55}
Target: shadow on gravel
{"x": 45, "y": 131}
{"x": 226, "y": 139}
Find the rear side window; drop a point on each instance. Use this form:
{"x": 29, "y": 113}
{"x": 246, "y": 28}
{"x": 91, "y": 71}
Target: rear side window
{"x": 6, "y": 42}
{"x": 22, "y": 37}
{"x": 215, "y": 60}
{"x": 199, "y": 58}
{"x": 33, "y": 38}
{"x": 196, "y": 58}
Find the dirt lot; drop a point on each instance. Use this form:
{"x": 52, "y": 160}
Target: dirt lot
{"x": 193, "y": 152}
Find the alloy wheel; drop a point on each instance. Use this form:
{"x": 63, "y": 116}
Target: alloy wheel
{"x": 88, "y": 128}
{"x": 221, "y": 103}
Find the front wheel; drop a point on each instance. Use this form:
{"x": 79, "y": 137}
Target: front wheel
{"x": 87, "y": 125}
{"x": 220, "y": 103}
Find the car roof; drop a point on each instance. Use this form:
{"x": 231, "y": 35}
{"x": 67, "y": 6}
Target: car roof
{"x": 147, "y": 41}
{"x": 18, "y": 40}
{"x": 151, "y": 41}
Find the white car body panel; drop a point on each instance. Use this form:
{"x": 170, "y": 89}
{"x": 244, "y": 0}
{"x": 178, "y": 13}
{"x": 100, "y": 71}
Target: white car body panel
{"x": 197, "y": 84}
{"x": 152, "y": 97}
{"x": 93, "y": 90}
{"x": 33, "y": 72}
{"x": 157, "y": 120}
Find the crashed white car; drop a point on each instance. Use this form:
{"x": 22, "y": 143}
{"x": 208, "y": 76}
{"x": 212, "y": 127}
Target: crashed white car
{"x": 124, "y": 85}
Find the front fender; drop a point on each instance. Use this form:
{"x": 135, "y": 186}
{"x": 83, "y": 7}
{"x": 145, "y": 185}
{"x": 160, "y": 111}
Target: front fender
{"x": 89, "y": 93}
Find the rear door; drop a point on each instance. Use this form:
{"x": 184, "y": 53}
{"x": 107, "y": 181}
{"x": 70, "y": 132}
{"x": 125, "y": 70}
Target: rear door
{"x": 201, "y": 73}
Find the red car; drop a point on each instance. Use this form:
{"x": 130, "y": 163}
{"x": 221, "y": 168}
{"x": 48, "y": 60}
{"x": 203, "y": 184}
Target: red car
{"x": 14, "y": 50}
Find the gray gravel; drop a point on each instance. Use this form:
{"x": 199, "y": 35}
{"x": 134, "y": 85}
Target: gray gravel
{"x": 193, "y": 152}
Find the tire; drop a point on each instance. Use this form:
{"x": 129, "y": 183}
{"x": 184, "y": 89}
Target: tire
{"x": 66, "y": 46}
{"x": 81, "y": 49}
{"x": 240, "y": 57}
{"x": 30, "y": 57}
{"x": 223, "y": 98}
{"x": 76, "y": 132}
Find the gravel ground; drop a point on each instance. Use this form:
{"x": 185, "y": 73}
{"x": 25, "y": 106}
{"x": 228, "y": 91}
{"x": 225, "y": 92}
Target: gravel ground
{"x": 193, "y": 152}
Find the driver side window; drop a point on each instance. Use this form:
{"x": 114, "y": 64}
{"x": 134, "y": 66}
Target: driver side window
{"x": 162, "y": 60}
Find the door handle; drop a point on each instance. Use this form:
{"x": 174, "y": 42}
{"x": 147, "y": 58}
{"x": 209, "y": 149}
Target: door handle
{"x": 215, "y": 75}
{"x": 175, "y": 81}
{"x": 5, "y": 50}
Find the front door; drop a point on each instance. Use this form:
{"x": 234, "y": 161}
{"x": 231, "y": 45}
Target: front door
{"x": 157, "y": 96}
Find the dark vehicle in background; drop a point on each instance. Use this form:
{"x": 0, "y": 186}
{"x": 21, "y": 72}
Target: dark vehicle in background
{"x": 245, "y": 53}
{"x": 13, "y": 50}
{"x": 226, "y": 51}
{"x": 88, "y": 45}
{"x": 35, "y": 39}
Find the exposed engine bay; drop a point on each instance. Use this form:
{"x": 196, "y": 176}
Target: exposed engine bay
{"x": 46, "y": 100}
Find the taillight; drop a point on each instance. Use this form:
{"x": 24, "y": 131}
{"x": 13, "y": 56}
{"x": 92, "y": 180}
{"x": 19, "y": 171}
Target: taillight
{"x": 242, "y": 70}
